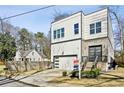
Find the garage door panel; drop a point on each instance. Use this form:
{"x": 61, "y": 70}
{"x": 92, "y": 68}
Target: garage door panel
{"x": 66, "y": 63}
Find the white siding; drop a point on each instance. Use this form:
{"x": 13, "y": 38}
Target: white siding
{"x": 68, "y": 24}
{"x": 73, "y": 47}
{"x": 93, "y": 18}
{"x": 66, "y": 48}
{"x": 34, "y": 56}
{"x": 18, "y": 56}
{"x": 111, "y": 38}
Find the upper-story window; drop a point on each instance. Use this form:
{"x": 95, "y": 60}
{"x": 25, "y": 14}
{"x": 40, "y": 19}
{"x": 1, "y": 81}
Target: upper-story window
{"x": 98, "y": 27}
{"x": 76, "y": 28}
{"x": 54, "y": 34}
{"x": 92, "y": 28}
{"x": 62, "y": 32}
{"x": 58, "y": 33}
{"x": 95, "y": 28}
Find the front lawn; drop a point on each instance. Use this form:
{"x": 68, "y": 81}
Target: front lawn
{"x": 109, "y": 79}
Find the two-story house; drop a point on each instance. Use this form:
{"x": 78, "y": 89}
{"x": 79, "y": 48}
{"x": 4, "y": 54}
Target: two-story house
{"x": 82, "y": 35}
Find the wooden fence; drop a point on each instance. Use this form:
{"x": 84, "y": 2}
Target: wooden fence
{"x": 22, "y": 66}
{"x": 120, "y": 60}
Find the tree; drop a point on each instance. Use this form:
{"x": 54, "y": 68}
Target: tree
{"x": 24, "y": 41}
{"x": 58, "y": 15}
{"x": 116, "y": 20}
{"x": 39, "y": 38}
{"x": 47, "y": 47}
{"x": 7, "y": 46}
{"x": 42, "y": 44}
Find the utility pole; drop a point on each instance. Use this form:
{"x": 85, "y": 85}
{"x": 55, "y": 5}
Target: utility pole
{"x": 1, "y": 21}
{"x": 122, "y": 39}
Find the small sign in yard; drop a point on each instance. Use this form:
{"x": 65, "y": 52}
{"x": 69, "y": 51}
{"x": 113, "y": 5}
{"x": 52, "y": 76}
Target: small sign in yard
{"x": 76, "y": 65}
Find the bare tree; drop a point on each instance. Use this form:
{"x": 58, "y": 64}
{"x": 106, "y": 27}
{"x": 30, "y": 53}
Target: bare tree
{"x": 58, "y": 15}
{"x": 118, "y": 25}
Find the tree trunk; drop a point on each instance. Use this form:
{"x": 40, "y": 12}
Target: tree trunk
{"x": 25, "y": 62}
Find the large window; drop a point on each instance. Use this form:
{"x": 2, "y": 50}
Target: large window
{"x": 76, "y": 28}
{"x": 58, "y": 33}
{"x": 62, "y": 32}
{"x": 95, "y": 51}
{"x": 95, "y": 28}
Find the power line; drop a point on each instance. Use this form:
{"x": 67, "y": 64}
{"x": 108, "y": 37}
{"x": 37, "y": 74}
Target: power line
{"x": 28, "y": 12}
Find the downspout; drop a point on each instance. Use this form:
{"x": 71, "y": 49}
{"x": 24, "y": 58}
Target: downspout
{"x": 81, "y": 49}
{"x": 51, "y": 47}
{"x": 107, "y": 64}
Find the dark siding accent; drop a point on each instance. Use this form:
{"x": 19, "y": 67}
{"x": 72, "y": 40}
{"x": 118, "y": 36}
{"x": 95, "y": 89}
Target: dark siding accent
{"x": 66, "y": 41}
{"x": 96, "y": 38}
{"x": 65, "y": 55}
{"x": 81, "y": 37}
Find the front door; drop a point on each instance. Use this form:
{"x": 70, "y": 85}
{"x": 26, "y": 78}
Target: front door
{"x": 95, "y": 51}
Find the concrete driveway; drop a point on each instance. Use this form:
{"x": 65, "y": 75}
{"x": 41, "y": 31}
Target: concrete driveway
{"x": 43, "y": 78}
{"x": 7, "y": 82}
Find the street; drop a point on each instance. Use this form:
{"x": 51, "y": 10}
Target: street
{"x": 5, "y": 82}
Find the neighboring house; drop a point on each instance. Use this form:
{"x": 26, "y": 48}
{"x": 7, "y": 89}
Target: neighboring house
{"x": 30, "y": 56}
{"x": 82, "y": 35}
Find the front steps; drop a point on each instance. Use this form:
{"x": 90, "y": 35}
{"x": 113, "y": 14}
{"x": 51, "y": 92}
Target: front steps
{"x": 100, "y": 65}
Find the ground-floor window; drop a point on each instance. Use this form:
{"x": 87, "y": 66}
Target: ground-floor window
{"x": 95, "y": 51}
{"x": 56, "y": 62}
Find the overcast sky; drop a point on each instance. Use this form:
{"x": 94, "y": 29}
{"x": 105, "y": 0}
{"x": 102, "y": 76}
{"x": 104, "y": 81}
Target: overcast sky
{"x": 41, "y": 20}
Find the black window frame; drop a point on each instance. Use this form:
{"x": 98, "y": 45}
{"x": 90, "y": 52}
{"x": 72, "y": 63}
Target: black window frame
{"x": 92, "y": 29}
{"x": 54, "y": 34}
{"x": 98, "y": 28}
{"x": 76, "y": 28}
{"x": 58, "y": 33}
{"x": 62, "y": 32}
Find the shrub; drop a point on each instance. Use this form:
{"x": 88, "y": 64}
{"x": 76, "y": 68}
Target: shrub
{"x": 88, "y": 74}
{"x": 74, "y": 74}
{"x": 64, "y": 73}
{"x": 120, "y": 64}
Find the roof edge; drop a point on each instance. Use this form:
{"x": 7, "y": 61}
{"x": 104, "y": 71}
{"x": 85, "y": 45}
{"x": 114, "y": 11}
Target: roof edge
{"x": 67, "y": 16}
{"x": 82, "y": 13}
{"x": 96, "y": 11}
